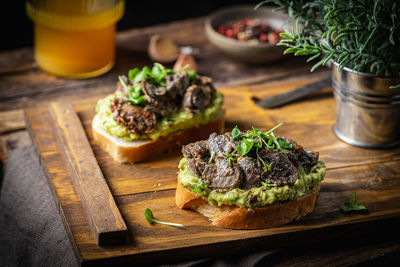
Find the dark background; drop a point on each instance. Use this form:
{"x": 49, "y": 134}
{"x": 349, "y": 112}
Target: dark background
{"x": 17, "y": 29}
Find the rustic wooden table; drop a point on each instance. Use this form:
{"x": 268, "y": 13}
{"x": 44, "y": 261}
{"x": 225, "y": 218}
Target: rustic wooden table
{"x": 23, "y": 85}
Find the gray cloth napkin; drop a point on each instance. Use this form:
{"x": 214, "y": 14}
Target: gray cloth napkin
{"x": 31, "y": 231}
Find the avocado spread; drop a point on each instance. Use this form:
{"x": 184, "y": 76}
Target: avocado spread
{"x": 260, "y": 196}
{"x": 174, "y": 122}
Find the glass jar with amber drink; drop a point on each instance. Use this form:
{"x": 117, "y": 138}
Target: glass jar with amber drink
{"x": 75, "y": 38}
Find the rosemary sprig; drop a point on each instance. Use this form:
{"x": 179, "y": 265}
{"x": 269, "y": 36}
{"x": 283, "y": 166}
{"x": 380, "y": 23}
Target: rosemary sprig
{"x": 363, "y": 35}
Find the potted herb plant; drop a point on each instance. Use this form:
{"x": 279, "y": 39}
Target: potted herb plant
{"x": 362, "y": 40}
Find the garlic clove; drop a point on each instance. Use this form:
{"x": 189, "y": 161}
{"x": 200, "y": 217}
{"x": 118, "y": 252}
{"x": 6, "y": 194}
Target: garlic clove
{"x": 183, "y": 60}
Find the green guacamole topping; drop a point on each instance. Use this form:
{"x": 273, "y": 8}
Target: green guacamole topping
{"x": 172, "y": 123}
{"x": 261, "y": 196}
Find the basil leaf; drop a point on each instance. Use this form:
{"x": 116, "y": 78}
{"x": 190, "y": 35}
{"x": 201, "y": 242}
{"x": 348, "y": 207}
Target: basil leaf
{"x": 236, "y": 133}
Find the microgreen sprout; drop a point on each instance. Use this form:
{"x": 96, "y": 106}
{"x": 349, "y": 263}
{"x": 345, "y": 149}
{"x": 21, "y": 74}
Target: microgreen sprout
{"x": 192, "y": 74}
{"x": 257, "y": 139}
{"x": 212, "y": 157}
{"x": 157, "y": 75}
{"x": 265, "y": 165}
{"x": 148, "y": 214}
{"x": 353, "y": 206}
{"x": 236, "y": 133}
{"x": 230, "y": 159}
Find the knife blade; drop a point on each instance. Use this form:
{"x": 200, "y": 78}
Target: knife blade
{"x": 281, "y": 99}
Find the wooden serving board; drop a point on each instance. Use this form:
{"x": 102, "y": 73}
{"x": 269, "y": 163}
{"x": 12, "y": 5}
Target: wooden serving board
{"x": 373, "y": 174}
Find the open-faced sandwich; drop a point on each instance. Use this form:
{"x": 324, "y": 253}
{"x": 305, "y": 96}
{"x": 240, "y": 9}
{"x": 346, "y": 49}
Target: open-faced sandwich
{"x": 156, "y": 110}
{"x": 249, "y": 180}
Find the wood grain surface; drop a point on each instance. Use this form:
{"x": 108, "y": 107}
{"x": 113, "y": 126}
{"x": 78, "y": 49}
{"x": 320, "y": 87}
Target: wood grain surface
{"x": 105, "y": 220}
{"x": 373, "y": 174}
{"x": 369, "y": 238}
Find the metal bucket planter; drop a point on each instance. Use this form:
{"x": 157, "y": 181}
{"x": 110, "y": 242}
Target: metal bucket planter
{"x": 368, "y": 111}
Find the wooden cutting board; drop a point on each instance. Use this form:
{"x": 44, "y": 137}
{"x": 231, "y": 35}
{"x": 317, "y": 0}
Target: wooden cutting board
{"x": 373, "y": 174}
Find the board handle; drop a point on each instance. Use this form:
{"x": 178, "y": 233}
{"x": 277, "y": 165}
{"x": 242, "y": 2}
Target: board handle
{"x": 102, "y": 212}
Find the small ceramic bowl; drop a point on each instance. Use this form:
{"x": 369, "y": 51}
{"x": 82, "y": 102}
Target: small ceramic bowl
{"x": 245, "y": 51}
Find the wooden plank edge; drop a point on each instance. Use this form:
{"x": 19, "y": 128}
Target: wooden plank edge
{"x": 337, "y": 233}
{"x": 105, "y": 219}
{"x": 57, "y": 202}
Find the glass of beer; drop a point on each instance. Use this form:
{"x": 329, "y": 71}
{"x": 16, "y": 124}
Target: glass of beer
{"x": 75, "y": 38}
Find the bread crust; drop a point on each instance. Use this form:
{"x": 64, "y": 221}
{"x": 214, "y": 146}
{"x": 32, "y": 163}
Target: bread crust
{"x": 138, "y": 151}
{"x": 235, "y": 217}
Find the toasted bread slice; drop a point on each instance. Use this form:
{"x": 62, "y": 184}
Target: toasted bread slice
{"x": 141, "y": 150}
{"x": 235, "y": 217}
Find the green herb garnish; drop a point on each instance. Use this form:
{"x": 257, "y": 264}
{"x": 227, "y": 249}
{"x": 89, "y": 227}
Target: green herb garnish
{"x": 178, "y": 70}
{"x": 135, "y": 93}
{"x": 265, "y": 165}
{"x": 212, "y": 157}
{"x": 236, "y": 133}
{"x": 245, "y": 146}
{"x": 258, "y": 139}
{"x": 353, "y": 206}
{"x": 132, "y": 73}
{"x": 148, "y": 214}
{"x": 157, "y": 75}
{"x": 230, "y": 157}
{"x": 192, "y": 74}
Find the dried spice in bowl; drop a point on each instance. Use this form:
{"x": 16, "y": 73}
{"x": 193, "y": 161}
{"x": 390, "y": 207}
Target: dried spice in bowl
{"x": 250, "y": 30}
